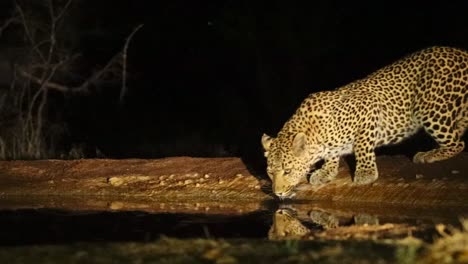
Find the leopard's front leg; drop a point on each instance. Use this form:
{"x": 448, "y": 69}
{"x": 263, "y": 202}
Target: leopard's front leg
{"x": 326, "y": 173}
{"x": 366, "y": 166}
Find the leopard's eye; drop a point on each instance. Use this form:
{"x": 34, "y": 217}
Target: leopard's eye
{"x": 287, "y": 171}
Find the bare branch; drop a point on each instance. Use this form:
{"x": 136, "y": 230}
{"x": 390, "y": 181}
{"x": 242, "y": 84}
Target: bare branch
{"x": 97, "y": 75}
{"x": 43, "y": 83}
{"x": 42, "y": 73}
{"x": 123, "y": 90}
{"x": 28, "y": 32}
{"x": 8, "y": 22}
{"x": 51, "y": 85}
{"x": 63, "y": 11}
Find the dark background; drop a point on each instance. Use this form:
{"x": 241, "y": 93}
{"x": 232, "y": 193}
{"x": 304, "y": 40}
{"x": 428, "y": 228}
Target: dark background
{"x": 207, "y": 78}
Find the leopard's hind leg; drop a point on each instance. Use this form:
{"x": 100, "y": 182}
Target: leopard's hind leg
{"x": 447, "y": 130}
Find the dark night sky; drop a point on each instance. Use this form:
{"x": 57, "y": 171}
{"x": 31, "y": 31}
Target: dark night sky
{"x": 208, "y": 77}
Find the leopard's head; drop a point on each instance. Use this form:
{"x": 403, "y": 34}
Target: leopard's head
{"x": 286, "y": 226}
{"x": 289, "y": 158}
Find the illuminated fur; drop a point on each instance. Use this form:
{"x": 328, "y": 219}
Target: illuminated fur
{"x": 427, "y": 89}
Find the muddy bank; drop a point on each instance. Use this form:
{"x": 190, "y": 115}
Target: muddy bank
{"x": 216, "y": 251}
{"x": 449, "y": 249}
{"x": 181, "y": 184}
{"x": 392, "y": 220}
{"x": 212, "y": 184}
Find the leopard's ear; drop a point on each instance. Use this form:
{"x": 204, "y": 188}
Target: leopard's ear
{"x": 299, "y": 144}
{"x": 266, "y": 142}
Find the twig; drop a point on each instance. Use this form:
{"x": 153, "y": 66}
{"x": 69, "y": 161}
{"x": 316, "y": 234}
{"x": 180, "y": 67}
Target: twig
{"x": 123, "y": 91}
{"x": 97, "y": 75}
{"x": 63, "y": 11}
{"x": 28, "y": 34}
{"x": 48, "y": 84}
{"x": 7, "y": 23}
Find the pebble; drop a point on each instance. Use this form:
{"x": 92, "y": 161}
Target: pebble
{"x": 116, "y": 205}
{"x": 115, "y": 181}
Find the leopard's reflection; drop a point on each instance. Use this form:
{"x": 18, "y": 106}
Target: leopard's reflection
{"x": 286, "y": 226}
{"x": 291, "y": 224}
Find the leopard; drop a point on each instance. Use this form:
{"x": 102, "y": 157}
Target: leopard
{"x": 286, "y": 225}
{"x": 425, "y": 90}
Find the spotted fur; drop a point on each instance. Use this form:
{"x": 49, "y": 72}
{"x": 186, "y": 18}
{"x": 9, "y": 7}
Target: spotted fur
{"x": 286, "y": 226}
{"x": 427, "y": 89}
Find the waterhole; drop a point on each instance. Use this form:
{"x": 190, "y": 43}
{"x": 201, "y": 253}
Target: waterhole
{"x": 273, "y": 221}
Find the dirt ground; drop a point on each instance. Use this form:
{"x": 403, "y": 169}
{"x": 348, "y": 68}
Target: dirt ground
{"x": 212, "y": 184}
{"x": 425, "y": 194}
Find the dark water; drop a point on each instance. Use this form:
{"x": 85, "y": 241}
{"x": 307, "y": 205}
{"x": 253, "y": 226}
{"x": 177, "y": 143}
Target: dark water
{"x": 45, "y": 226}
{"x": 53, "y": 226}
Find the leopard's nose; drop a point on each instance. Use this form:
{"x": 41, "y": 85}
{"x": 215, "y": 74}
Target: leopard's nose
{"x": 284, "y": 195}
{"x": 279, "y": 194}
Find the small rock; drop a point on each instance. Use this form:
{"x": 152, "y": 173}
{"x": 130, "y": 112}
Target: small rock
{"x": 419, "y": 176}
{"x": 206, "y": 176}
{"x": 455, "y": 171}
{"x": 212, "y": 254}
{"x": 188, "y": 181}
{"x": 226, "y": 260}
{"x": 115, "y": 181}
{"x": 116, "y": 205}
